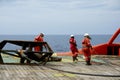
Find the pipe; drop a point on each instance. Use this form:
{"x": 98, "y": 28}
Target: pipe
{"x": 114, "y": 36}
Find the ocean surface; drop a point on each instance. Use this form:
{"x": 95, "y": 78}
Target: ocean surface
{"x": 58, "y": 43}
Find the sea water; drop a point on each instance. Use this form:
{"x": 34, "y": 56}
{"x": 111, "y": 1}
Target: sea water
{"x": 58, "y": 43}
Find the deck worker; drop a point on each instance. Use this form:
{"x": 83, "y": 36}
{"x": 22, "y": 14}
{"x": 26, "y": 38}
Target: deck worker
{"x": 86, "y": 46}
{"x": 39, "y": 38}
{"x": 73, "y": 48}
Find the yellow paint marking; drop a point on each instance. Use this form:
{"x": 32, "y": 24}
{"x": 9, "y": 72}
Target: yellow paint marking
{"x": 58, "y": 75}
{"x": 67, "y": 60}
{"x": 70, "y": 75}
{"x": 54, "y": 54}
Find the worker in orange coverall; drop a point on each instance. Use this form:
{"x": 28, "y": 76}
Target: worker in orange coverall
{"x": 73, "y": 48}
{"x": 86, "y": 46}
{"x": 39, "y": 38}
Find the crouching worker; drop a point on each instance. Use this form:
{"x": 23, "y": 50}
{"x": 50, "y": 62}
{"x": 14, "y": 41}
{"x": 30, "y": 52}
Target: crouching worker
{"x": 86, "y": 46}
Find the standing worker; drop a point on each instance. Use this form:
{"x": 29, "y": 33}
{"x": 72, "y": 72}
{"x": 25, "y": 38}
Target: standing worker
{"x": 86, "y": 46}
{"x": 73, "y": 48}
{"x": 39, "y": 38}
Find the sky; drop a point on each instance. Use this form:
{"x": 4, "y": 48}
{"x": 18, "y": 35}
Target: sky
{"x": 24, "y": 17}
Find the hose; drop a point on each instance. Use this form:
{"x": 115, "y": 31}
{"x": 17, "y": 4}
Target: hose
{"x": 88, "y": 74}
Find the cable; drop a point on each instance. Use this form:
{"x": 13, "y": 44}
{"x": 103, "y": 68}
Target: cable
{"x": 88, "y": 74}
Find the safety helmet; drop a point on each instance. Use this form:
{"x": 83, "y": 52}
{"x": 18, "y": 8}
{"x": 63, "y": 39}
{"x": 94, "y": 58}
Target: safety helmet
{"x": 86, "y": 34}
{"x": 42, "y": 34}
{"x": 71, "y": 35}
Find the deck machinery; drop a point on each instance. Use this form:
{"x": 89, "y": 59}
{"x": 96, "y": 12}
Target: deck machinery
{"x": 26, "y": 52}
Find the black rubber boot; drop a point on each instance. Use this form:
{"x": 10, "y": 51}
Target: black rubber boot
{"x": 73, "y": 59}
{"x": 88, "y": 63}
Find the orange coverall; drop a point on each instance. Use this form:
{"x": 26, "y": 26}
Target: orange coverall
{"x": 86, "y": 46}
{"x": 73, "y": 48}
{"x": 38, "y": 39}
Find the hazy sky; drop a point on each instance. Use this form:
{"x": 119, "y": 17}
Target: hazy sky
{"x": 59, "y": 16}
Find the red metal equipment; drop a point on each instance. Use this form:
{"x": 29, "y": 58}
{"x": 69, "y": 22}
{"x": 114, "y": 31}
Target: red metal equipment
{"x": 109, "y": 48}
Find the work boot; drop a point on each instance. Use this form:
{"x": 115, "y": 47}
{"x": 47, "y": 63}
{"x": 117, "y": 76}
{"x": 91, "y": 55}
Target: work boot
{"x": 73, "y": 59}
{"x": 88, "y": 63}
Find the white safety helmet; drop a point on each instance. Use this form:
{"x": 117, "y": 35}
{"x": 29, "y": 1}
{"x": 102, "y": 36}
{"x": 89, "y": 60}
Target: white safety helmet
{"x": 71, "y": 35}
{"x": 86, "y": 34}
{"x": 42, "y": 34}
